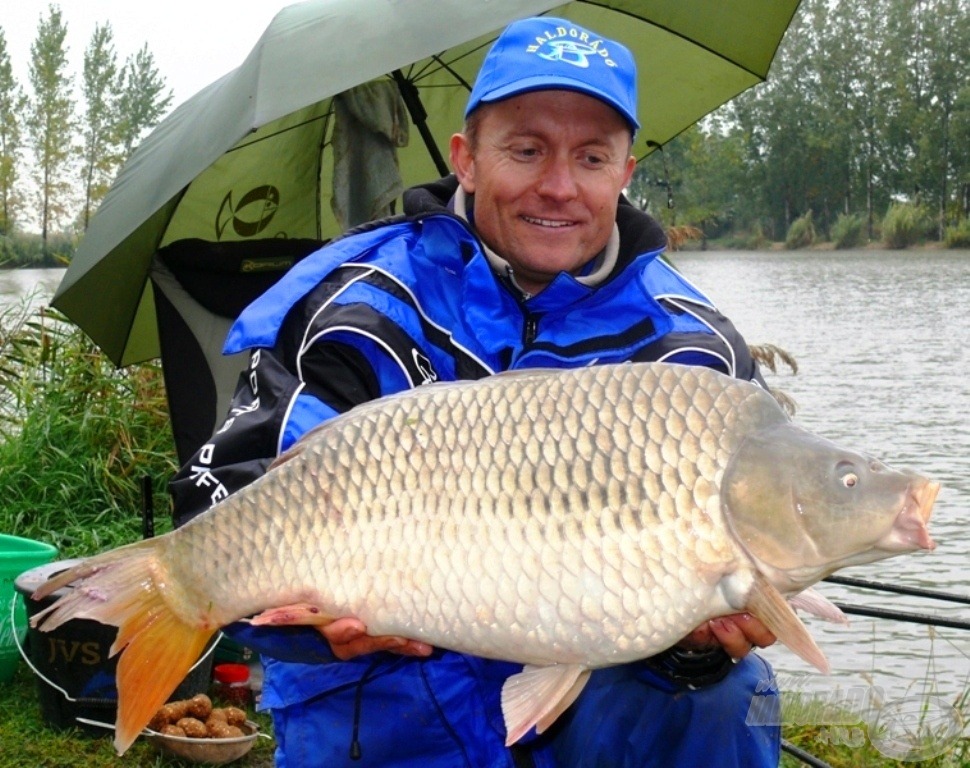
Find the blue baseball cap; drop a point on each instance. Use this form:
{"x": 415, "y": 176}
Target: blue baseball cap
{"x": 545, "y": 53}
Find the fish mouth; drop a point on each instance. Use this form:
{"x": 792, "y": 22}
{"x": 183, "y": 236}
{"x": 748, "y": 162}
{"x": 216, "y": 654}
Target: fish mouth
{"x": 909, "y": 531}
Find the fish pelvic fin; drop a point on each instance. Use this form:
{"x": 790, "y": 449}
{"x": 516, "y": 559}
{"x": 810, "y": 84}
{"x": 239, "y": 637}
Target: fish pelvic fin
{"x": 770, "y": 606}
{"x": 538, "y": 695}
{"x": 295, "y": 614}
{"x": 814, "y": 602}
{"x": 158, "y": 648}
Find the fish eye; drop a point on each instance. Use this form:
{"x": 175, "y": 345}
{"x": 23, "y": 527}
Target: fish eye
{"x": 847, "y": 474}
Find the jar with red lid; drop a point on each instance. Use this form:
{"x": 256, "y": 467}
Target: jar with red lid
{"x": 230, "y": 682}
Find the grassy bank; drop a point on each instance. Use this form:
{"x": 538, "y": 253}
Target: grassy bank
{"x": 77, "y": 440}
{"x": 77, "y": 437}
{"x": 846, "y": 739}
{"x": 26, "y": 741}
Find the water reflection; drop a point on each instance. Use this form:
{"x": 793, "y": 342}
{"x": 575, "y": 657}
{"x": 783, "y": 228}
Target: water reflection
{"x": 35, "y": 285}
{"x": 880, "y": 339}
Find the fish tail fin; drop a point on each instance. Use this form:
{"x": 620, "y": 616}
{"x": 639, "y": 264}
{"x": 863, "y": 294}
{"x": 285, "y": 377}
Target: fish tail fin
{"x": 160, "y": 651}
{"x": 158, "y": 647}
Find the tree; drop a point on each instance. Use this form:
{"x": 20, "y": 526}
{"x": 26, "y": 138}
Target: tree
{"x": 777, "y": 120}
{"x": 699, "y": 178}
{"x": 100, "y": 146}
{"x": 12, "y": 102}
{"x": 141, "y": 101}
{"x": 50, "y": 121}
{"x": 948, "y": 33}
{"x": 866, "y": 103}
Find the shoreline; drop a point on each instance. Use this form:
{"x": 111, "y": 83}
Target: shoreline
{"x": 826, "y": 247}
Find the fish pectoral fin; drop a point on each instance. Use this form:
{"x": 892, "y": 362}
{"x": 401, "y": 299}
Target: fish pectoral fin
{"x": 301, "y": 614}
{"x": 770, "y": 606}
{"x": 814, "y": 602}
{"x": 536, "y": 696}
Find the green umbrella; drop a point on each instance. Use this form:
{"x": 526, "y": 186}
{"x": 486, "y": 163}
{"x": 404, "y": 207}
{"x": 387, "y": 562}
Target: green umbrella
{"x": 250, "y": 156}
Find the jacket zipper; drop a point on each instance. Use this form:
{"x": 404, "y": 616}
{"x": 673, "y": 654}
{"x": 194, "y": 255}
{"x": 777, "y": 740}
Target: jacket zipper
{"x": 530, "y": 331}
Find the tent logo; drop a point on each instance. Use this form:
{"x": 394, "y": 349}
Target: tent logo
{"x": 251, "y": 215}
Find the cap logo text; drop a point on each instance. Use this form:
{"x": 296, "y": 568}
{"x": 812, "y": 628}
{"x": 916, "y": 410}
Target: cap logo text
{"x": 572, "y": 46}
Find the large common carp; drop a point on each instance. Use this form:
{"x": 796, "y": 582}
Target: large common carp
{"x": 564, "y": 519}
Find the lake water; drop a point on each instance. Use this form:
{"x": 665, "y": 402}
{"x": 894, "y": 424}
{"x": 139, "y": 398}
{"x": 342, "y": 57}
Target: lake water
{"x": 37, "y": 286}
{"x": 881, "y": 343}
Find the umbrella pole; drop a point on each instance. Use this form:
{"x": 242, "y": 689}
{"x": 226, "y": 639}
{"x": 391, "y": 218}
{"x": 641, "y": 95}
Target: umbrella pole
{"x": 419, "y": 117}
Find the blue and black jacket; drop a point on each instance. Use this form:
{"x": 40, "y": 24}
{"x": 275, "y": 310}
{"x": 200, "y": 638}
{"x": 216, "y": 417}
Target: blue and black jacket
{"x": 395, "y": 305}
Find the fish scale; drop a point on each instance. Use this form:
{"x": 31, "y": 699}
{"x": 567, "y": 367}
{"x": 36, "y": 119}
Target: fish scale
{"x": 564, "y": 519}
{"x": 438, "y": 473}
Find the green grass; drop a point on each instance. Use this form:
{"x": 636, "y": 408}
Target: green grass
{"x": 26, "y": 741}
{"x": 850, "y": 745}
{"x": 868, "y": 729}
{"x": 77, "y": 436}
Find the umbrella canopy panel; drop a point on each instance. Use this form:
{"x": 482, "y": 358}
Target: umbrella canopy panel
{"x": 250, "y": 157}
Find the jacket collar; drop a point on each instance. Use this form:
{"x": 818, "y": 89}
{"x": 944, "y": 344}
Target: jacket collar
{"x": 638, "y": 232}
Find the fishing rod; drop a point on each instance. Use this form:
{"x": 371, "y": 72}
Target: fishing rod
{"x": 807, "y": 758}
{"x": 912, "y": 618}
{"x": 898, "y": 589}
{"x": 885, "y": 613}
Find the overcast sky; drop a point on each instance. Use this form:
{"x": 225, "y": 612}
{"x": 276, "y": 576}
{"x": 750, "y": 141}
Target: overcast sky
{"x": 193, "y": 41}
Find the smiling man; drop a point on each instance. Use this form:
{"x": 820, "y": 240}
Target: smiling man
{"x": 546, "y": 170}
{"x": 528, "y": 256}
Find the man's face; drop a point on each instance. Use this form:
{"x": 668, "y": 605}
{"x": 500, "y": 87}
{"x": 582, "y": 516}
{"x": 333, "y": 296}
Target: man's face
{"x": 546, "y": 170}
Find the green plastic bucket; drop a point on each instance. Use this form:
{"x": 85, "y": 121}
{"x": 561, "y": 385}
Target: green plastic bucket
{"x": 16, "y": 556}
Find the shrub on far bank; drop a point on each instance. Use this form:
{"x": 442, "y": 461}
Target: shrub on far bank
{"x": 801, "y": 233}
{"x": 958, "y": 236}
{"x": 26, "y": 249}
{"x": 904, "y": 225}
{"x": 848, "y": 231}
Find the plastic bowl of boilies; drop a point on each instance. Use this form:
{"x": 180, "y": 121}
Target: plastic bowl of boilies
{"x": 213, "y": 751}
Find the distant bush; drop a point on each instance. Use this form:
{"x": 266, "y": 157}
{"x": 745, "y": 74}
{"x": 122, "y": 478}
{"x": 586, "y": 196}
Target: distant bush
{"x": 801, "y": 233}
{"x": 848, "y": 231}
{"x": 741, "y": 241}
{"x": 905, "y": 225}
{"x": 6, "y": 252}
{"x": 958, "y": 236}
{"x": 757, "y": 239}
{"x": 679, "y": 234}
{"x": 26, "y": 249}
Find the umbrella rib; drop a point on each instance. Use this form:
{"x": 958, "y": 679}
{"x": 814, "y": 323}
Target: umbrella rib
{"x": 416, "y": 74}
{"x": 446, "y": 66}
{"x": 280, "y": 132}
{"x": 674, "y": 33}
